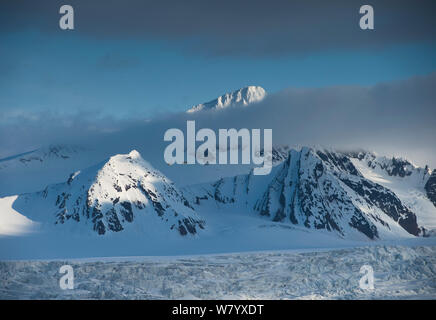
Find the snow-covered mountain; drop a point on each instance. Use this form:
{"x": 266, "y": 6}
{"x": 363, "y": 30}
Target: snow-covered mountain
{"x": 413, "y": 185}
{"x": 36, "y": 157}
{"x": 394, "y": 167}
{"x": 315, "y": 198}
{"x": 347, "y": 193}
{"x": 241, "y": 97}
{"x": 321, "y": 189}
{"x": 33, "y": 170}
{"x": 124, "y": 192}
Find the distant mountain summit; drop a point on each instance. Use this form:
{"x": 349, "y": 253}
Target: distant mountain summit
{"x": 238, "y": 98}
{"x": 48, "y": 153}
{"x": 123, "y": 192}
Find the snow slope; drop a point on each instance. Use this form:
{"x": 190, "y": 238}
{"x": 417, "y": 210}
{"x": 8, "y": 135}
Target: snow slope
{"x": 11, "y": 221}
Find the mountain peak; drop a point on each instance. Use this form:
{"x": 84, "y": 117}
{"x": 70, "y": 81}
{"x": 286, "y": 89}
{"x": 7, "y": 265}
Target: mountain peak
{"x": 135, "y": 154}
{"x": 240, "y": 97}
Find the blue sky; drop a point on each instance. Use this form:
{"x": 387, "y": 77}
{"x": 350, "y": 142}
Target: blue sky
{"x": 69, "y": 72}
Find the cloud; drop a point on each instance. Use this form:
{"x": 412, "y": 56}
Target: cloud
{"x": 396, "y": 118}
{"x": 241, "y": 28}
{"x": 24, "y": 130}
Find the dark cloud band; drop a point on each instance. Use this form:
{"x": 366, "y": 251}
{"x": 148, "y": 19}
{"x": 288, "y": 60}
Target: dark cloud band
{"x": 251, "y": 28}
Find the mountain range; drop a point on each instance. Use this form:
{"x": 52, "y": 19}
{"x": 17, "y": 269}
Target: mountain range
{"x": 348, "y": 194}
{"x": 341, "y": 192}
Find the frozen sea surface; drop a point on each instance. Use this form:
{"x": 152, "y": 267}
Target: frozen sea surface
{"x": 401, "y": 272}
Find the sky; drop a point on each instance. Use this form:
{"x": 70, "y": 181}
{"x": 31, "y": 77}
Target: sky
{"x": 134, "y": 59}
{"x": 70, "y": 73}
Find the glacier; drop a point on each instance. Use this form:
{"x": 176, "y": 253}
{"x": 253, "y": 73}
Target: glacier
{"x": 400, "y": 272}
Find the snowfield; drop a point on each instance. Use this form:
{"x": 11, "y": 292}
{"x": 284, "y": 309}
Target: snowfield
{"x": 401, "y": 272}
{"x": 12, "y": 222}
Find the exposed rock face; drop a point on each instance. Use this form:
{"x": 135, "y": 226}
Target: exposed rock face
{"x": 430, "y": 187}
{"x": 317, "y": 189}
{"x": 308, "y": 195}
